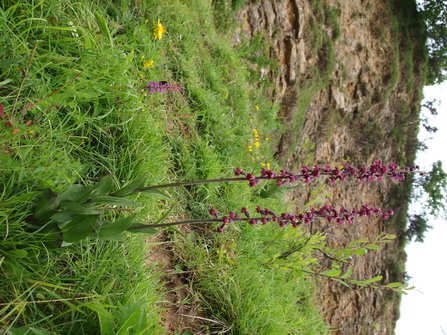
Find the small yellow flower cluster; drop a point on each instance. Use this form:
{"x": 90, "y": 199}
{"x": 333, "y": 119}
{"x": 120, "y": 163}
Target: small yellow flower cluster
{"x": 147, "y": 63}
{"x": 159, "y": 30}
{"x": 256, "y": 134}
{"x": 266, "y": 165}
{"x": 255, "y": 146}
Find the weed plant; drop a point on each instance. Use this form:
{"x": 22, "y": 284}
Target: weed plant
{"x": 73, "y": 109}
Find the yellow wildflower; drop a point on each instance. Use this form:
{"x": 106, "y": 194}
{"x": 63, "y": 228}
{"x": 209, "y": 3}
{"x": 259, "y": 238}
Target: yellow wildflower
{"x": 256, "y": 144}
{"x": 257, "y": 107}
{"x": 159, "y": 30}
{"x": 149, "y": 63}
{"x": 267, "y": 138}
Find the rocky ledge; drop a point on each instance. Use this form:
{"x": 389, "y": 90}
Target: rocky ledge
{"x": 348, "y": 77}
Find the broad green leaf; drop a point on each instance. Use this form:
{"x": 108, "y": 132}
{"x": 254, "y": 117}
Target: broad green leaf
{"x": 115, "y": 228}
{"x": 129, "y": 188}
{"x": 391, "y": 285}
{"x": 389, "y": 237}
{"x": 47, "y": 205}
{"x": 76, "y": 192}
{"x": 347, "y": 274}
{"x": 342, "y": 282}
{"x": 79, "y": 228}
{"x": 373, "y": 246}
{"x": 372, "y": 280}
{"x": 331, "y": 273}
{"x": 360, "y": 251}
{"x": 159, "y": 194}
{"x": 103, "y": 186}
{"x": 105, "y": 324}
{"x": 76, "y": 208}
{"x": 150, "y": 231}
{"x": 62, "y": 217}
{"x": 360, "y": 283}
{"x": 128, "y": 317}
{"x": 111, "y": 200}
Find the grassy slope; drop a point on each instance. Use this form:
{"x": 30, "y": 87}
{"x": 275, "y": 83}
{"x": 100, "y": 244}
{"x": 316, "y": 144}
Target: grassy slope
{"x": 75, "y": 71}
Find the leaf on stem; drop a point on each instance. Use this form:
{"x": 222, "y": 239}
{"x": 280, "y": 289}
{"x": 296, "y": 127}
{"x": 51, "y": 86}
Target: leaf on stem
{"x": 103, "y": 186}
{"x": 359, "y": 283}
{"x": 113, "y": 229}
{"x": 373, "y": 246}
{"x": 130, "y": 188}
{"x": 347, "y": 274}
{"x": 76, "y": 208}
{"x": 372, "y": 280}
{"x": 76, "y": 192}
{"x": 331, "y": 273}
{"x": 393, "y": 285}
{"x": 79, "y": 228}
{"x": 361, "y": 251}
{"x": 110, "y": 200}
{"x": 46, "y": 206}
{"x": 342, "y": 282}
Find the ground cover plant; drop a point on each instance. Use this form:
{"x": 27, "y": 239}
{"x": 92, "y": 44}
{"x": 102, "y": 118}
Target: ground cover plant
{"x": 100, "y": 104}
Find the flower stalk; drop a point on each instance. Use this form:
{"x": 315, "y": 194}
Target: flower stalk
{"x": 375, "y": 172}
{"x": 329, "y": 213}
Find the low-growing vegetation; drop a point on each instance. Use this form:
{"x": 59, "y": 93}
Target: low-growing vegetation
{"x": 112, "y": 113}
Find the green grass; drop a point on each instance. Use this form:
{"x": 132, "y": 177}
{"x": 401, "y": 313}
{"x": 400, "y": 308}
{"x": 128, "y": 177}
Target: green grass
{"x": 75, "y": 109}
{"x": 231, "y": 269}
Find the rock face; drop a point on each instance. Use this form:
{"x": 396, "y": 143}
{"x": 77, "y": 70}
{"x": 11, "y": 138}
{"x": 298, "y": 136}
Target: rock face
{"x": 349, "y": 80}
